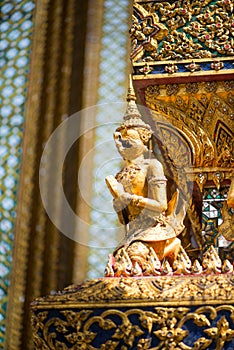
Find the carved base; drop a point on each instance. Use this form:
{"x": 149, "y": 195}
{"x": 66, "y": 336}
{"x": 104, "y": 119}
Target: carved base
{"x": 165, "y": 312}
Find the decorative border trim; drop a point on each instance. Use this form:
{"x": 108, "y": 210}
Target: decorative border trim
{"x": 183, "y": 68}
{"x": 166, "y": 290}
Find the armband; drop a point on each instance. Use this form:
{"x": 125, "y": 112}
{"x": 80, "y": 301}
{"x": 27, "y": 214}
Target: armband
{"x": 156, "y": 180}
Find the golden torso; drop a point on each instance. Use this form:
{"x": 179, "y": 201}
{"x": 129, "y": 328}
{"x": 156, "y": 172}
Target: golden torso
{"x": 133, "y": 179}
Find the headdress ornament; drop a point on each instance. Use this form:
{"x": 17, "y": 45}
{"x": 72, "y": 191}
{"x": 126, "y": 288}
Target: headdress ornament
{"x": 132, "y": 117}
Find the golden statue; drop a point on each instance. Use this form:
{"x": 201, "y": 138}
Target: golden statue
{"x": 230, "y": 197}
{"x": 140, "y": 200}
{"x": 227, "y": 227}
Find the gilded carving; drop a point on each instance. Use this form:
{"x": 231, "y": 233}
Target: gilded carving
{"x": 230, "y": 197}
{"x": 201, "y": 180}
{"x": 157, "y": 328}
{"x": 145, "y": 32}
{"x": 146, "y": 69}
{"x": 198, "y": 117}
{"x": 211, "y": 261}
{"x": 217, "y": 65}
{"x": 182, "y": 30}
{"x": 226, "y": 229}
{"x": 192, "y": 67}
{"x": 202, "y": 288}
{"x": 171, "y": 68}
{"x": 227, "y": 267}
{"x": 221, "y": 334}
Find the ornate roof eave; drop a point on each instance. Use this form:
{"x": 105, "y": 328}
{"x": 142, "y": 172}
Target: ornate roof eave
{"x": 204, "y": 176}
{"x": 142, "y": 81}
{"x": 172, "y": 42}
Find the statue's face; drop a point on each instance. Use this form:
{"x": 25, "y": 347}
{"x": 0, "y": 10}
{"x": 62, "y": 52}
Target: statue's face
{"x": 129, "y": 144}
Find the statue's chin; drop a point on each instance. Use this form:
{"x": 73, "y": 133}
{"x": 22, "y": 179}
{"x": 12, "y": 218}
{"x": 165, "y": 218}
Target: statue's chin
{"x": 131, "y": 153}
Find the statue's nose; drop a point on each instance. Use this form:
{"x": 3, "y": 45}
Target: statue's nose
{"x": 117, "y": 135}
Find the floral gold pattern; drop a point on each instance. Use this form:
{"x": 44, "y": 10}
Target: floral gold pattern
{"x": 154, "y": 327}
{"x": 207, "y": 141}
{"x": 182, "y": 30}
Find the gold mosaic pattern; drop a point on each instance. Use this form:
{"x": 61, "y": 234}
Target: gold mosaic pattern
{"x": 38, "y": 244}
{"x": 16, "y": 29}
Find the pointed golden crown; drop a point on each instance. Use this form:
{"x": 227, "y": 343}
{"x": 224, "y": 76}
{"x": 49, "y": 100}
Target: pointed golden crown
{"x": 132, "y": 117}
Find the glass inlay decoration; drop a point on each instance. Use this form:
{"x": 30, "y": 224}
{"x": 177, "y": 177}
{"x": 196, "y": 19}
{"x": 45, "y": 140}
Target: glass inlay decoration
{"x": 15, "y": 44}
{"x": 213, "y": 200}
{"x": 112, "y": 89}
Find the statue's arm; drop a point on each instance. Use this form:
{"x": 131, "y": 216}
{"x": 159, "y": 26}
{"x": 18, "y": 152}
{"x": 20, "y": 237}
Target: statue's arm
{"x": 157, "y": 184}
{"x": 156, "y": 199}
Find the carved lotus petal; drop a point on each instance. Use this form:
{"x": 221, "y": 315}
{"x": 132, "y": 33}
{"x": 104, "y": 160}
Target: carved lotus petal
{"x": 202, "y": 343}
{"x": 83, "y": 314}
{"x": 147, "y": 322}
{"x": 58, "y": 346}
{"x": 108, "y": 324}
{"x": 109, "y": 345}
{"x": 201, "y": 320}
{"x": 60, "y": 327}
{"x": 162, "y": 333}
{"x": 223, "y": 324}
{"x": 181, "y": 311}
{"x": 137, "y": 331}
{"x": 229, "y": 334}
{"x": 144, "y": 344}
{"x": 180, "y": 334}
{"x": 81, "y": 338}
{"x": 177, "y": 334}
{"x": 212, "y": 332}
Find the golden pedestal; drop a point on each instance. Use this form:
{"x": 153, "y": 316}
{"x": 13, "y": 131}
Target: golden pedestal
{"x": 166, "y": 312}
